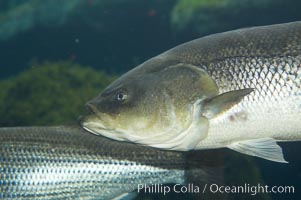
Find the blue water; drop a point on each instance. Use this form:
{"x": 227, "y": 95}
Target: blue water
{"x": 114, "y": 36}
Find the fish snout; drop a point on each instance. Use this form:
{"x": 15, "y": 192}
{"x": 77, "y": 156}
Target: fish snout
{"x": 92, "y": 109}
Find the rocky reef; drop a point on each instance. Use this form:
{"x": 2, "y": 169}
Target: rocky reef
{"x": 49, "y": 94}
{"x": 210, "y": 16}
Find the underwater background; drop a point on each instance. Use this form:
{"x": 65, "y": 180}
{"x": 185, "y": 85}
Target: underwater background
{"x": 56, "y": 55}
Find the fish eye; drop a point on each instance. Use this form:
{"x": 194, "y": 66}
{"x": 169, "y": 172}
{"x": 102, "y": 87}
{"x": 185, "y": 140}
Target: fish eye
{"x": 121, "y": 96}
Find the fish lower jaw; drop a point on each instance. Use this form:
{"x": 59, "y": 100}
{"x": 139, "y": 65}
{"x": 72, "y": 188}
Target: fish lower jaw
{"x": 101, "y": 130}
{"x": 91, "y": 130}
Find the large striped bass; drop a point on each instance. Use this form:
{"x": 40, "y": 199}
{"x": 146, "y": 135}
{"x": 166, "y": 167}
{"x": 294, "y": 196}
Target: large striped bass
{"x": 239, "y": 89}
{"x": 69, "y": 163}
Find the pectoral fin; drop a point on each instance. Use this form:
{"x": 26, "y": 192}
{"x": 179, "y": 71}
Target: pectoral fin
{"x": 265, "y": 148}
{"x": 224, "y": 102}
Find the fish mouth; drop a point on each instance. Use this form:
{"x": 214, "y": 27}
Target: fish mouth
{"x": 94, "y": 120}
{"x": 92, "y": 109}
{"x": 95, "y": 126}
{"x": 95, "y": 123}
{"x": 95, "y": 116}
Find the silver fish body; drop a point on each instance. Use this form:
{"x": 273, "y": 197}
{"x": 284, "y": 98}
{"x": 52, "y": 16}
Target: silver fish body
{"x": 70, "y": 163}
{"x": 267, "y": 59}
{"x": 239, "y": 89}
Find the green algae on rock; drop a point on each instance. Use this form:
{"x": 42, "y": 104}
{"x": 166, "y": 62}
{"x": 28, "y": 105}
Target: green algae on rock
{"x": 211, "y": 16}
{"x": 48, "y": 94}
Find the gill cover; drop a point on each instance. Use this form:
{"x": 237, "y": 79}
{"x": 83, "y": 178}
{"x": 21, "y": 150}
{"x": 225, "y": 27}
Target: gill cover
{"x": 207, "y": 107}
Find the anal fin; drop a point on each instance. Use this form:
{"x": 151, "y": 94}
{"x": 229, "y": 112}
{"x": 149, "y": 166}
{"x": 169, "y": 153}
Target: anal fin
{"x": 265, "y": 148}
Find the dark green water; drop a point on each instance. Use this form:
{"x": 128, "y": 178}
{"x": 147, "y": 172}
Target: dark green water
{"x": 114, "y": 36}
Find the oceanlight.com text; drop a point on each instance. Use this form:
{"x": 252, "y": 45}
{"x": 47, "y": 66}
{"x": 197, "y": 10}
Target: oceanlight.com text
{"x": 216, "y": 188}
{"x": 250, "y": 189}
